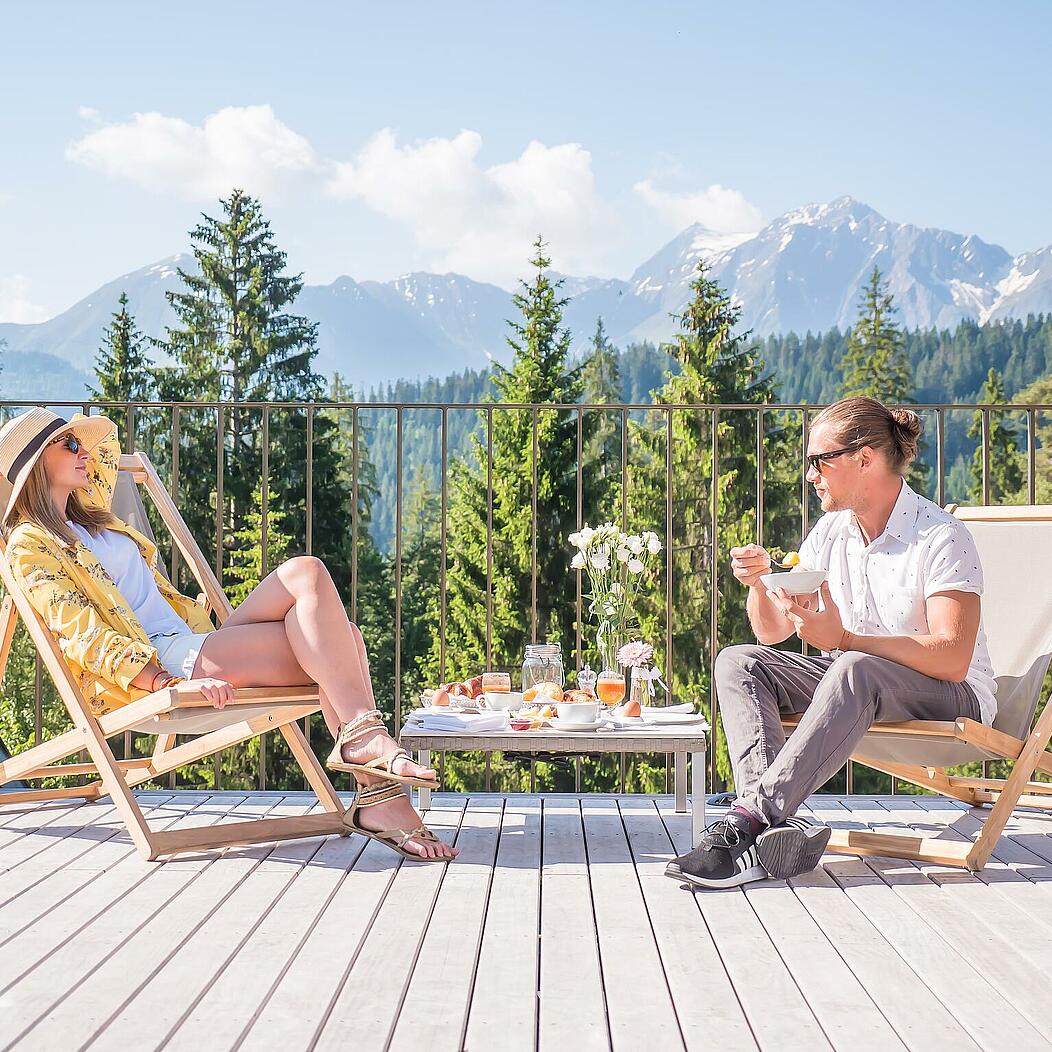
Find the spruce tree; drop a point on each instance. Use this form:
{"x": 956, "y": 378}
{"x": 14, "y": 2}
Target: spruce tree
{"x": 540, "y": 372}
{"x": 717, "y": 366}
{"x": 601, "y": 377}
{"x": 875, "y": 363}
{"x": 122, "y": 365}
{"x": 1007, "y": 474}
{"x": 1040, "y": 393}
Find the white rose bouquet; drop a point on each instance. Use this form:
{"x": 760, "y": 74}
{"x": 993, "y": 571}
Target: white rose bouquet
{"x": 616, "y": 563}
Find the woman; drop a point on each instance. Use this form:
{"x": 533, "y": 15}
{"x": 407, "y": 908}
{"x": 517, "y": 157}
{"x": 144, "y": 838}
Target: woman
{"x": 126, "y": 632}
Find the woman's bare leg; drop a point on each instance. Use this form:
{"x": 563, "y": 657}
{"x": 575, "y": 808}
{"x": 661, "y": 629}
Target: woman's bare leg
{"x": 260, "y": 653}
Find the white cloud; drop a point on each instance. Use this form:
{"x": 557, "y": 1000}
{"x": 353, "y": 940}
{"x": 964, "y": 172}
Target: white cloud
{"x": 718, "y": 208}
{"x": 482, "y": 220}
{"x": 87, "y": 113}
{"x": 246, "y": 146}
{"x": 15, "y": 304}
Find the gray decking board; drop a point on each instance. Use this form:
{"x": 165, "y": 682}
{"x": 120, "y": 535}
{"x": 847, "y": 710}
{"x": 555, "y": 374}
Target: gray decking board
{"x": 557, "y": 929}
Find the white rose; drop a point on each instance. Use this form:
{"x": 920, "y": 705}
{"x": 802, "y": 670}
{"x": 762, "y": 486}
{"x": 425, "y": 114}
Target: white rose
{"x": 635, "y": 544}
{"x": 601, "y": 562}
{"x": 653, "y": 544}
{"x": 623, "y": 555}
{"x": 578, "y": 561}
{"x": 635, "y": 566}
{"x": 575, "y": 540}
{"x": 586, "y": 536}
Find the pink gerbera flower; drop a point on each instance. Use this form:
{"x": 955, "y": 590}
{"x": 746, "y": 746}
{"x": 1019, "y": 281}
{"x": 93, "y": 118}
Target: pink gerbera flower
{"x": 635, "y": 654}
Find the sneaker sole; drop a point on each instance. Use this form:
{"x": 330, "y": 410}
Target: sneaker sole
{"x": 789, "y": 851}
{"x": 746, "y": 876}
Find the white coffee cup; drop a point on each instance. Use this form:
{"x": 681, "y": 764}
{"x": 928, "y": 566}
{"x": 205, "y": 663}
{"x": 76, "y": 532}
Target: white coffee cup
{"x": 578, "y": 712}
{"x": 503, "y": 699}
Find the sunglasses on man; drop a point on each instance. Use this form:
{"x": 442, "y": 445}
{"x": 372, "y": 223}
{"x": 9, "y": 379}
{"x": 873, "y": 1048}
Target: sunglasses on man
{"x": 816, "y": 460}
{"x": 71, "y": 442}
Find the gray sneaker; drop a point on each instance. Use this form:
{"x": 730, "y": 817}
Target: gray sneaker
{"x": 792, "y": 847}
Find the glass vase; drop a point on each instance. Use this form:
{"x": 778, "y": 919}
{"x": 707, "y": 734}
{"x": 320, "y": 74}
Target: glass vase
{"x": 609, "y": 638}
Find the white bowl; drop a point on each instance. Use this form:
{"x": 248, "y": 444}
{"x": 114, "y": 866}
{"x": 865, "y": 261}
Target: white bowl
{"x": 795, "y": 582}
{"x": 579, "y": 712}
{"x": 503, "y": 699}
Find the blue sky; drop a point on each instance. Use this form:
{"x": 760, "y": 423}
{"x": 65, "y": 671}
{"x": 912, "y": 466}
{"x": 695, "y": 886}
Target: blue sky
{"x": 387, "y": 138}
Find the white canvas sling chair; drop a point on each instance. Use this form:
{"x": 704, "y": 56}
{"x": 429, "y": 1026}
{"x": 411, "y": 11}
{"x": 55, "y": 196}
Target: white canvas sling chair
{"x": 165, "y": 714}
{"x": 1015, "y": 547}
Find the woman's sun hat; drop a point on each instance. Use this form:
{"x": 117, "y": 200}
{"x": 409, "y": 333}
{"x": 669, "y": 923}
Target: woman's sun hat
{"x": 25, "y": 437}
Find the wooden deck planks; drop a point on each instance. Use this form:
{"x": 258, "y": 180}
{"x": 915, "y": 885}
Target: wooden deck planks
{"x": 555, "y": 929}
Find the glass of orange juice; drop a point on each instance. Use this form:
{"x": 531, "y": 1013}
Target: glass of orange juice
{"x": 610, "y": 687}
{"x": 496, "y": 682}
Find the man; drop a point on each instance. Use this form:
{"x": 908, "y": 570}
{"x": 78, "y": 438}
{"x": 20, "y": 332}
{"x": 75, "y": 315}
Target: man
{"x": 898, "y": 624}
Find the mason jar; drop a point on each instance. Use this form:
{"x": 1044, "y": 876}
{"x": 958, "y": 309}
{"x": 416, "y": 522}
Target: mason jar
{"x": 543, "y": 663}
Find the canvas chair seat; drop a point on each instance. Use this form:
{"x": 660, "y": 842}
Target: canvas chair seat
{"x": 1015, "y": 546}
{"x": 166, "y": 714}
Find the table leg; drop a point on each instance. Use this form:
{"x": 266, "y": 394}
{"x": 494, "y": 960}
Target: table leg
{"x": 697, "y": 795}
{"x": 681, "y": 782}
{"x": 423, "y": 796}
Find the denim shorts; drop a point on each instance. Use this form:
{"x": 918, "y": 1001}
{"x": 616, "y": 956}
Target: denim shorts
{"x": 177, "y": 653}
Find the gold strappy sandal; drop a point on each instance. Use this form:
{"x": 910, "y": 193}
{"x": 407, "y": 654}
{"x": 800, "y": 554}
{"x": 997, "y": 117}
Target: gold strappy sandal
{"x": 395, "y": 839}
{"x": 369, "y": 723}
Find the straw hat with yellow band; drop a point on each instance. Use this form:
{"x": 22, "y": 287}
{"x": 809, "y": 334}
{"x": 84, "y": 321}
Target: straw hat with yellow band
{"x": 25, "y": 437}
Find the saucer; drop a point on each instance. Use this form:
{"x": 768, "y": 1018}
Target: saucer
{"x": 560, "y": 725}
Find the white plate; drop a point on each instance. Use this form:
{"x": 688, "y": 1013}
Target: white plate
{"x": 559, "y": 725}
{"x": 795, "y": 582}
{"x": 672, "y": 719}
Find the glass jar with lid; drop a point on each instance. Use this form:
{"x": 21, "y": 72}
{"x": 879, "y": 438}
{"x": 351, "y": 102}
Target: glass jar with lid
{"x": 543, "y": 664}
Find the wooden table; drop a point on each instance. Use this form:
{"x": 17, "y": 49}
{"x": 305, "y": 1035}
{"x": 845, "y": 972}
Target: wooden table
{"x": 676, "y": 740}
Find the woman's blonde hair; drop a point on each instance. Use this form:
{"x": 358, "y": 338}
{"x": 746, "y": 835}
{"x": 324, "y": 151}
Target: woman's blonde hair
{"x": 34, "y": 504}
{"x": 867, "y": 422}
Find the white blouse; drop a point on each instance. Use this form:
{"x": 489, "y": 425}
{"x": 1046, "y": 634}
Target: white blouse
{"x": 881, "y": 588}
{"x": 122, "y": 560}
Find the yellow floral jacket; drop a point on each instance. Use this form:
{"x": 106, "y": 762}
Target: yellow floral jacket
{"x": 102, "y": 640}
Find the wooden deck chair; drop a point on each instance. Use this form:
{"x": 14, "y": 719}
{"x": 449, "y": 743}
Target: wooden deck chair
{"x": 1015, "y": 546}
{"x": 165, "y": 714}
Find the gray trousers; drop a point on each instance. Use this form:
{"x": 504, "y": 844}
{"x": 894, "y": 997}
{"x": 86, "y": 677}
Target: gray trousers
{"x": 839, "y": 699}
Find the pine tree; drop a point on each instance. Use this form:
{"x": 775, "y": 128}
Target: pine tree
{"x": 1007, "y": 474}
{"x": 717, "y": 366}
{"x": 601, "y": 475}
{"x": 540, "y": 372}
{"x": 875, "y": 363}
{"x": 1040, "y": 393}
{"x": 246, "y": 565}
{"x": 122, "y": 365}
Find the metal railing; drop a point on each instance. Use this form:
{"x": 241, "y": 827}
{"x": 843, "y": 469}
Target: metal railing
{"x": 954, "y": 414}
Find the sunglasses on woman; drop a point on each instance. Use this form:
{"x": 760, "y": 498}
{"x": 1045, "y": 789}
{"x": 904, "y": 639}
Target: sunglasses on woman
{"x": 71, "y": 442}
{"x": 816, "y": 460}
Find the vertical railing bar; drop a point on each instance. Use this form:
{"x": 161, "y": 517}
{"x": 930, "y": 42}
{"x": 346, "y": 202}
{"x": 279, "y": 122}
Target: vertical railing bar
{"x": 805, "y": 431}
{"x": 220, "y": 450}
{"x": 308, "y": 526}
{"x": 714, "y": 597}
{"x": 621, "y": 780}
{"x": 533, "y": 531}
{"x": 986, "y": 502}
{"x": 940, "y": 457}
{"x": 1031, "y": 458}
{"x": 489, "y": 537}
{"x": 398, "y": 575}
{"x": 265, "y": 496}
{"x": 578, "y": 602}
{"x": 354, "y": 514}
{"x": 761, "y": 464}
{"x": 487, "y": 778}
{"x": 669, "y": 561}
{"x": 986, "y": 458}
{"x": 442, "y": 565}
{"x": 38, "y": 701}
{"x": 624, "y": 470}
{"x": 174, "y": 487}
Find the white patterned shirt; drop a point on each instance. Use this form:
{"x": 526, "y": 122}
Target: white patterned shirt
{"x": 881, "y": 589}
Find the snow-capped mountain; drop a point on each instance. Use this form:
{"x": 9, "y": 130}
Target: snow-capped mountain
{"x": 802, "y": 271}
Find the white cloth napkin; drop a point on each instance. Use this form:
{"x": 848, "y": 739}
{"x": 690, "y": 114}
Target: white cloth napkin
{"x": 469, "y": 722}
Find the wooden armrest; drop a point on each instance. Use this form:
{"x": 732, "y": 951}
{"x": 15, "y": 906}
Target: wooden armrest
{"x": 912, "y": 728}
